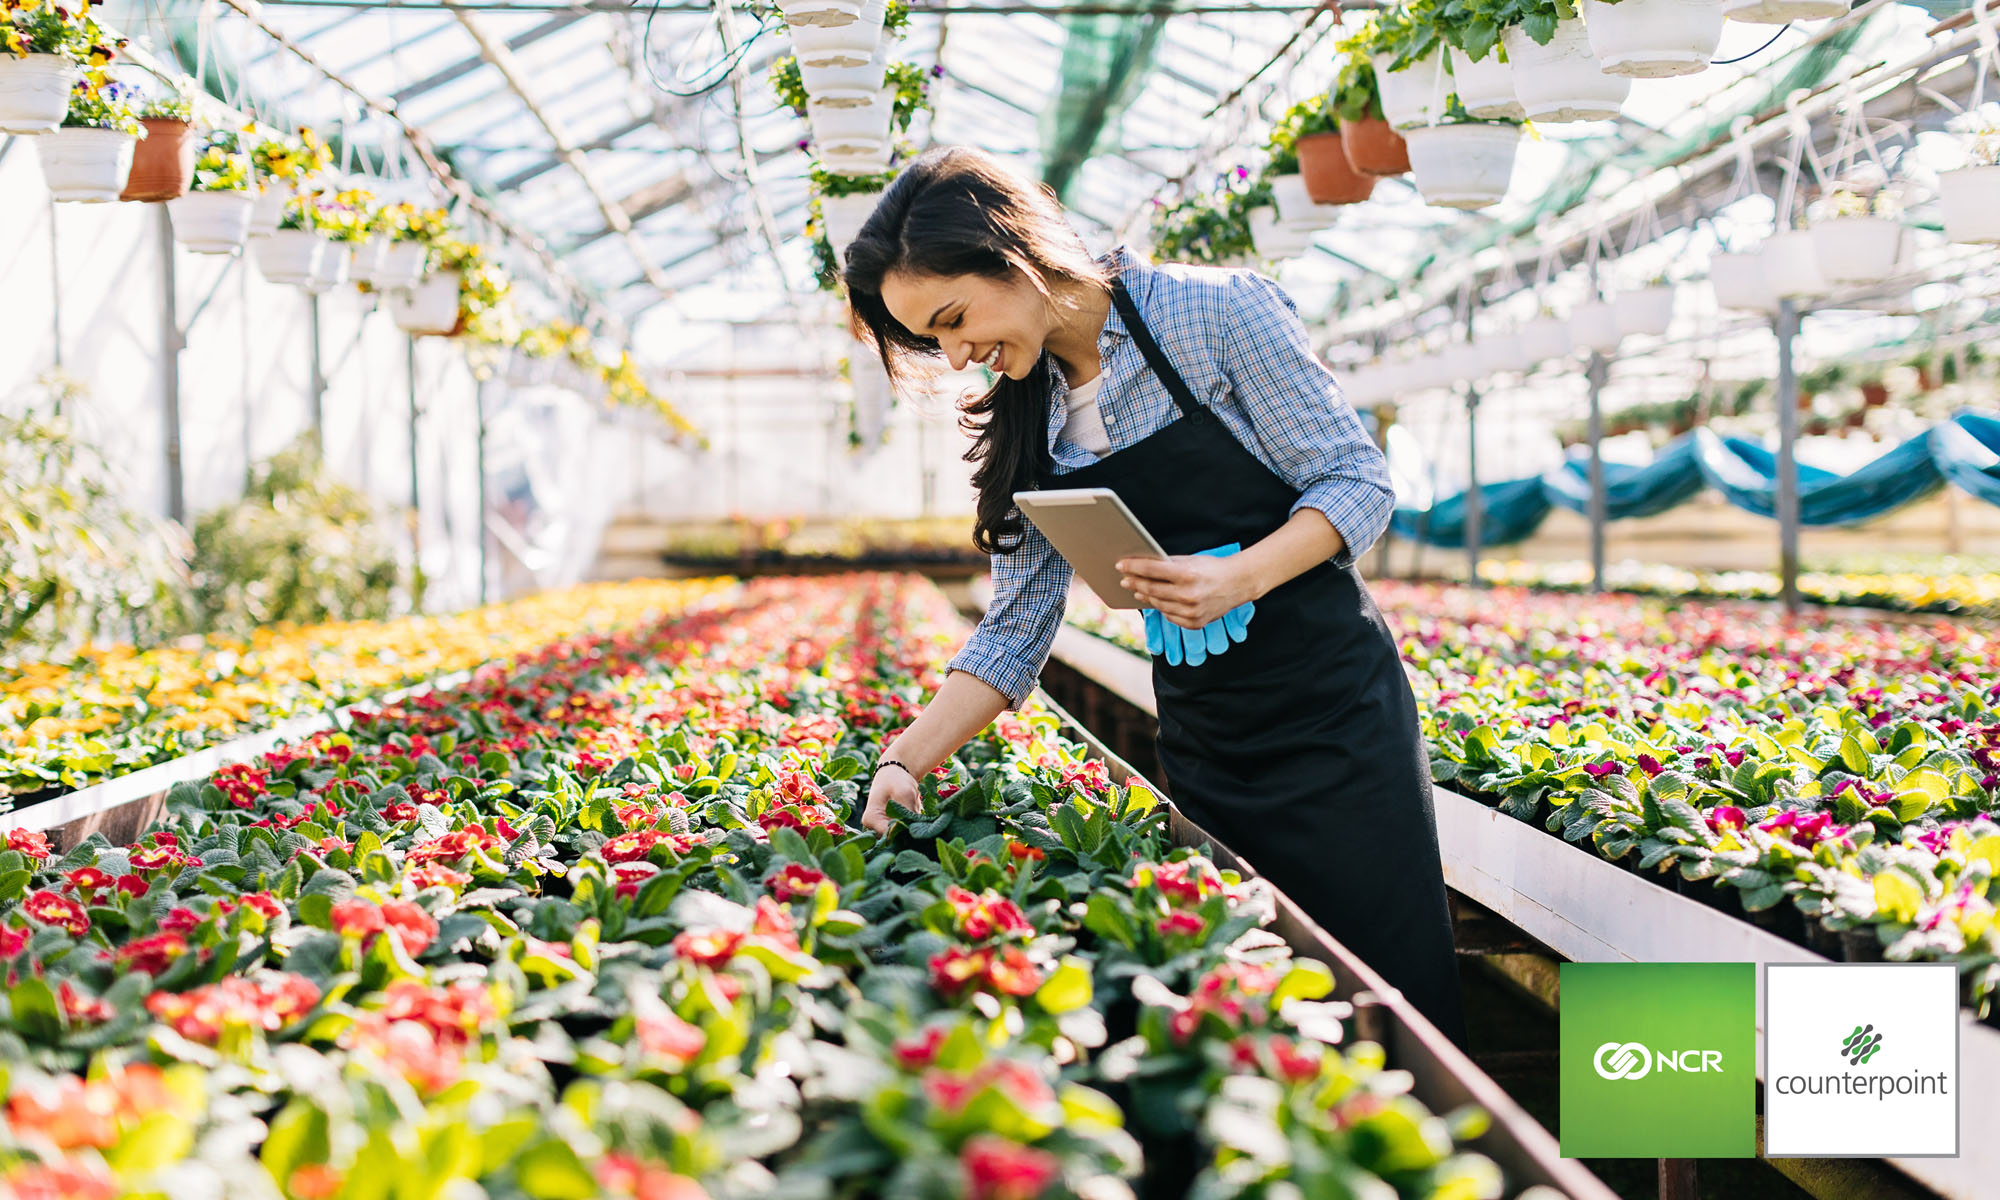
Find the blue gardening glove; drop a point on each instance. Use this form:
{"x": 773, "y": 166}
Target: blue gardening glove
{"x": 1193, "y": 646}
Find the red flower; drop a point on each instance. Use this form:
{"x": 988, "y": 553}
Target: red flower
{"x": 181, "y": 920}
{"x": 30, "y": 843}
{"x": 1183, "y": 924}
{"x": 434, "y": 876}
{"x": 50, "y": 909}
{"x": 1013, "y": 973}
{"x": 1023, "y": 852}
{"x": 206, "y": 1013}
{"x": 90, "y": 1010}
{"x": 149, "y": 955}
{"x": 13, "y": 940}
{"x": 1294, "y": 1066}
{"x": 410, "y": 925}
{"x": 710, "y": 948}
{"x": 796, "y": 882}
{"x": 402, "y": 811}
{"x": 86, "y": 880}
{"x": 774, "y": 921}
{"x": 133, "y": 885}
{"x": 329, "y": 845}
{"x": 997, "y": 1169}
{"x": 955, "y": 969}
{"x": 665, "y": 1034}
{"x": 918, "y": 1053}
{"x": 265, "y": 905}
{"x": 357, "y": 918}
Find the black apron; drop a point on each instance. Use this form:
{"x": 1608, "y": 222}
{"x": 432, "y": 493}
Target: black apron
{"x": 1299, "y": 747}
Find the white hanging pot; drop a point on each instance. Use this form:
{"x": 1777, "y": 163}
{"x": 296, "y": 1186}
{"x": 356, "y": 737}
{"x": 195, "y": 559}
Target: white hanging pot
{"x": 1486, "y": 88}
{"x": 1653, "y": 39}
{"x": 1561, "y": 81}
{"x": 856, "y": 161}
{"x": 1462, "y": 166}
{"x": 865, "y": 77}
{"x": 1646, "y": 312}
{"x": 850, "y": 121}
{"x": 331, "y": 271}
{"x": 1793, "y": 265}
{"x": 1741, "y": 281}
{"x": 289, "y": 256}
{"x": 1414, "y": 95}
{"x": 847, "y": 44}
{"x": 1852, "y": 250}
{"x": 367, "y": 261}
{"x": 431, "y": 307}
{"x": 1273, "y": 238}
{"x": 211, "y": 222}
{"x": 401, "y": 266}
{"x": 1970, "y": 199}
{"x": 1296, "y": 209}
{"x": 86, "y": 166}
{"x": 1594, "y": 326}
{"x": 845, "y": 215}
{"x": 1782, "y": 12}
{"x": 1545, "y": 338}
{"x": 34, "y": 92}
{"x": 824, "y": 13}
{"x": 269, "y": 209}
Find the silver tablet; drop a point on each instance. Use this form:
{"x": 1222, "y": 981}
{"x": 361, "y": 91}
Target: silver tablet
{"x": 1093, "y": 529}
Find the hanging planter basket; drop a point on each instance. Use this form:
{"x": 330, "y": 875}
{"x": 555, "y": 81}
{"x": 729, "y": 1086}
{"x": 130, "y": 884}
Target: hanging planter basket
{"x": 34, "y": 92}
{"x": 331, "y": 270}
{"x": 85, "y": 166}
{"x": 1544, "y": 339}
{"x": 402, "y": 265}
{"x": 821, "y": 13}
{"x": 1793, "y": 265}
{"x": 290, "y": 256}
{"x": 1373, "y": 147}
{"x": 1329, "y": 177}
{"x": 1594, "y": 326}
{"x": 856, "y": 161}
{"x": 845, "y": 215}
{"x": 1561, "y": 82}
{"x": 1857, "y": 250}
{"x": 162, "y": 163}
{"x": 269, "y": 209}
{"x": 430, "y": 308}
{"x": 1276, "y": 241}
{"x": 1741, "y": 281}
{"x": 821, "y": 81}
{"x": 1970, "y": 199}
{"x": 1464, "y": 165}
{"x": 1295, "y": 206}
{"x": 850, "y": 122}
{"x": 1486, "y": 88}
{"x": 1653, "y": 39}
{"x": 1414, "y": 95}
{"x": 855, "y": 44}
{"x": 1782, "y": 12}
{"x": 211, "y": 222}
{"x": 1647, "y": 312}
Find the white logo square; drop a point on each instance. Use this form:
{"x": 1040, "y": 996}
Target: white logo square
{"x": 1860, "y": 1060}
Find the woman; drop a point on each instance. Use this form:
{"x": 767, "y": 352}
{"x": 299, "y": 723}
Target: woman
{"x": 1192, "y": 393}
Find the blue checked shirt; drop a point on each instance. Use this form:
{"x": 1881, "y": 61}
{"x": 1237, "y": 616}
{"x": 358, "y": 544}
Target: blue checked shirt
{"x": 1236, "y": 338}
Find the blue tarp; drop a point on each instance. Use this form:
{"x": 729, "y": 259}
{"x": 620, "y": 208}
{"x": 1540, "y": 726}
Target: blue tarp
{"x": 1964, "y": 450}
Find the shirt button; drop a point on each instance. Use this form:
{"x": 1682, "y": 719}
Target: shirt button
{"x": 1109, "y": 419}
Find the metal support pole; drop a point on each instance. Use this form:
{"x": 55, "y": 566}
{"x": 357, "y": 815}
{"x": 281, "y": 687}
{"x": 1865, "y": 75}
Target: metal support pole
{"x": 1474, "y": 502}
{"x": 479, "y": 526}
{"x": 1597, "y": 373}
{"x": 1788, "y": 466}
{"x": 416, "y": 497}
{"x": 55, "y": 292}
{"x": 171, "y": 343}
{"x": 316, "y": 383}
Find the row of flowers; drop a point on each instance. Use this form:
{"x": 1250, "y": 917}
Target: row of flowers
{"x": 1835, "y": 783}
{"x": 110, "y": 710}
{"x": 600, "y": 925}
{"x": 1960, "y": 593}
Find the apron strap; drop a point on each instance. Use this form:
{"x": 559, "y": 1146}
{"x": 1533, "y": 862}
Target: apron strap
{"x": 1156, "y": 358}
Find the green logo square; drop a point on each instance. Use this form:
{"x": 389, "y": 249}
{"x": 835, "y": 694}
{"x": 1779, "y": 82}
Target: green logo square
{"x": 1659, "y": 1060}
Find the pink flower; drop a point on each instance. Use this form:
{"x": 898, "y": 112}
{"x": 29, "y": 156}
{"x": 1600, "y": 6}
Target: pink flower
{"x": 357, "y": 918}
{"x": 997, "y": 1169}
{"x": 1181, "y": 924}
{"x": 1724, "y": 818}
{"x": 411, "y": 926}
{"x": 666, "y": 1035}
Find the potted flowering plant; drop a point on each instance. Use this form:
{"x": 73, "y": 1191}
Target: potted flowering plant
{"x": 214, "y": 216}
{"x": 87, "y": 159}
{"x": 835, "y": 33}
{"x": 1307, "y": 162}
{"x": 1970, "y": 196}
{"x": 844, "y": 203}
{"x": 1404, "y": 46}
{"x": 1556, "y": 75}
{"x": 42, "y": 50}
{"x": 1463, "y": 161}
{"x": 1857, "y": 236}
{"x": 1482, "y": 75}
{"x": 1211, "y": 228}
{"x": 407, "y": 233}
{"x": 348, "y": 225}
{"x": 163, "y": 162}
{"x": 1653, "y": 39}
{"x": 283, "y": 165}
{"x": 1371, "y": 144}
{"x": 461, "y": 286}
{"x": 294, "y": 251}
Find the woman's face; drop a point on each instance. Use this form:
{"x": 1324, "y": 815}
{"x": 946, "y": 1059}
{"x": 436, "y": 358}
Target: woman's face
{"x": 1001, "y": 323}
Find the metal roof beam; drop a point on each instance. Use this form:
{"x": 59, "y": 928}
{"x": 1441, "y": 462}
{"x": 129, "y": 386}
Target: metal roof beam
{"x": 651, "y": 206}
{"x": 464, "y": 67}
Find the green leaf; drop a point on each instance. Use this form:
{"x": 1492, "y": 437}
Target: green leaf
{"x": 1897, "y": 897}
{"x": 33, "y": 1004}
{"x": 162, "y": 1139}
{"x": 1067, "y": 987}
{"x": 299, "y": 1135}
{"x": 1309, "y": 979}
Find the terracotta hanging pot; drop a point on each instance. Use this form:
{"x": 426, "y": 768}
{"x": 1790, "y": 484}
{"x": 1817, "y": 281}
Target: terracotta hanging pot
{"x": 1373, "y": 148}
{"x": 1330, "y": 178}
{"x": 162, "y": 163}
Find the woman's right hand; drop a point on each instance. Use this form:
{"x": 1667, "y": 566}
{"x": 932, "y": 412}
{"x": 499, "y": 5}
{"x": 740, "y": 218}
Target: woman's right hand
{"x": 892, "y": 785}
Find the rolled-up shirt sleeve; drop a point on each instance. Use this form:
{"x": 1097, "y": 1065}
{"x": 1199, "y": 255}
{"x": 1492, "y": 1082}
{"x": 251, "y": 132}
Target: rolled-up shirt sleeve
{"x": 1011, "y": 644}
{"x": 1310, "y": 434}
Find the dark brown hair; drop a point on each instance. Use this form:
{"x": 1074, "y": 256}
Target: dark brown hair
{"x": 955, "y": 211}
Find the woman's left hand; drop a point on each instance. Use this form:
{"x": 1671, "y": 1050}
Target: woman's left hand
{"x": 1191, "y": 590}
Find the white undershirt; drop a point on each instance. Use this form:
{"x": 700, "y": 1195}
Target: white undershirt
{"x": 1084, "y": 426}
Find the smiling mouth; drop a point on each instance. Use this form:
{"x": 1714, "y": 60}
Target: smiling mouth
{"x": 993, "y": 360}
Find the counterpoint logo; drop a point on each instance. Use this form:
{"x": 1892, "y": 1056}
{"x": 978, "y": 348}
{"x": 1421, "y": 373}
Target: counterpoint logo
{"x": 1861, "y": 1045}
{"x": 1622, "y": 1060}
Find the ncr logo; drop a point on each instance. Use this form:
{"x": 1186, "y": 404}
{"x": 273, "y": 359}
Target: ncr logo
{"x": 1631, "y": 1060}
{"x": 1659, "y": 1060}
